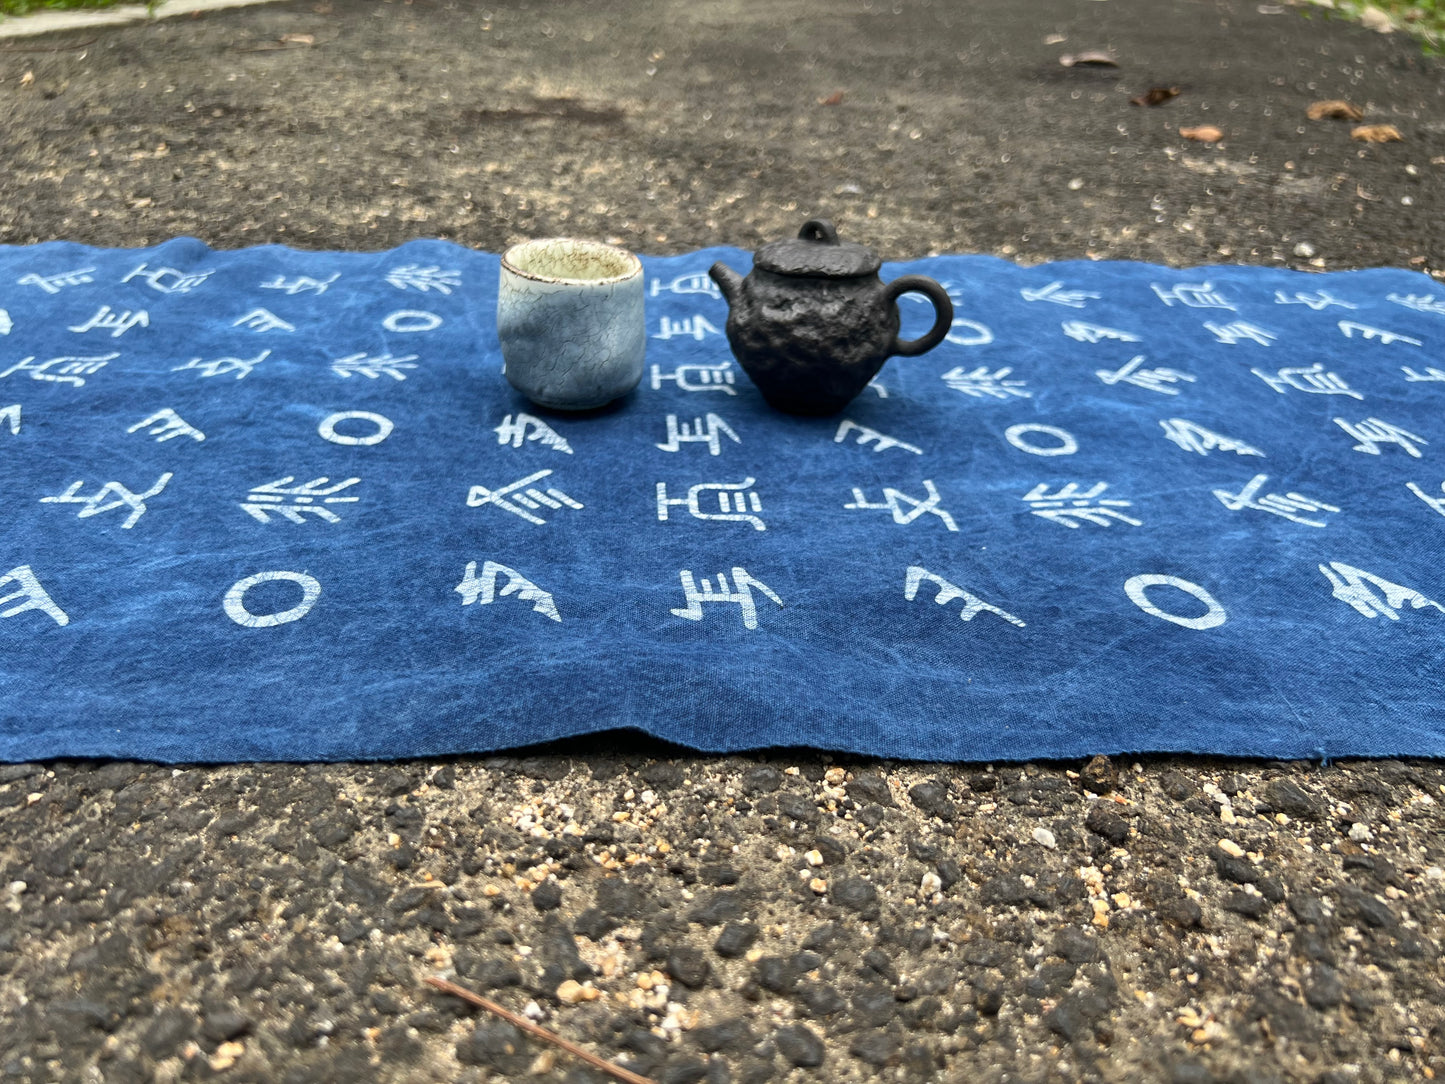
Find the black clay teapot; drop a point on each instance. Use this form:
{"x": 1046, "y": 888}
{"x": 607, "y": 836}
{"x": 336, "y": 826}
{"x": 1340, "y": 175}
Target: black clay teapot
{"x": 813, "y": 323}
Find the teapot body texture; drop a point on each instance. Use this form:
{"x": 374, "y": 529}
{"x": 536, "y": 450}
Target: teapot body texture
{"x": 811, "y": 352}
{"x": 812, "y": 323}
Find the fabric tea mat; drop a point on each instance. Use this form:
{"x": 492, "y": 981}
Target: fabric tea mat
{"x": 271, "y": 504}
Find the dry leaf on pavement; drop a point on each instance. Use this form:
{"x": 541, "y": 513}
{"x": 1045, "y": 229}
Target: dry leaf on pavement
{"x": 1155, "y": 96}
{"x": 1377, "y": 133}
{"x": 1095, "y": 57}
{"x": 1205, "y": 133}
{"x": 1335, "y": 109}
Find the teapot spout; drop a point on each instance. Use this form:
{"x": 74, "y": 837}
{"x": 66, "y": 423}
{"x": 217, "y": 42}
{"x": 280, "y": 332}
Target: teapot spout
{"x": 728, "y": 280}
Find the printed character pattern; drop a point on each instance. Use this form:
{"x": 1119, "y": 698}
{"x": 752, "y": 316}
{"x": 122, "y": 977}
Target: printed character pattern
{"x": 279, "y": 504}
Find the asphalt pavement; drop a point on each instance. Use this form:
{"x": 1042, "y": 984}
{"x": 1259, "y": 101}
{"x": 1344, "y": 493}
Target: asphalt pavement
{"x": 785, "y": 915}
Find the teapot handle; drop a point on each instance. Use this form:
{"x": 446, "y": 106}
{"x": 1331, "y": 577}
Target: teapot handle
{"x": 942, "y": 304}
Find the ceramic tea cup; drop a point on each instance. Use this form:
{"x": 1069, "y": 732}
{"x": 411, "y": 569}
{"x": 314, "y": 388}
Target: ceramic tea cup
{"x": 570, "y": 320}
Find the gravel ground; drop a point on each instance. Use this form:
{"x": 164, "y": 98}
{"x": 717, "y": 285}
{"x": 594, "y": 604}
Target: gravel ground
{"x": 725, "y": 919}
{"x": 782, "y": 916}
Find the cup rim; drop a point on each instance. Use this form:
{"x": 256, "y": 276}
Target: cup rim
{"x": 634, "y": 265}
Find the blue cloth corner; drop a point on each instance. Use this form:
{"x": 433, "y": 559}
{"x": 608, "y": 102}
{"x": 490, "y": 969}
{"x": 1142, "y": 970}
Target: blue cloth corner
{"x": 281, "y": 505}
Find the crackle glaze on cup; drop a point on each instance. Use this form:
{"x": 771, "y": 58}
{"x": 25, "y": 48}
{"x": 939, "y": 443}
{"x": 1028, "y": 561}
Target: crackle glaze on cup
{"x": 570, "y": 320}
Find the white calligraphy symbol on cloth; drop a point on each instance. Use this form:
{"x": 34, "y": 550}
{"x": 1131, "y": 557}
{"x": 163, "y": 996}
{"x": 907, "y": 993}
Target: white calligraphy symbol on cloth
{"x": 224, "y": 366}
{"x": 1192, "y": 295}
{"x": 739, "y": 594}
{"x": 327, "y": 429}
{"x": 300, "y": 284}
{"x": 1437, "y": 503}
{"x": 737, "y": 502}
{"x": 1289, "y": 505}
{"x": 168, "y": 280}
{"x": 717, "y": 377}
{"x": 522, "y": 498}
{"x": 372, "y": 368}
{"x": 1092, "y": 333}
{"x": 235, "y": 601}
{"x": 1072, "y": 508}
{"x": 1309, "y": 378}
{"x": 11, "y": 416}
{"x": 1055, "y": 292}
{"x": 117, "y": 323}
{"x": 695, "y": 327}
{"x": 262, "y": 320}
{"x": 895, "y": 501}
{"x": 1419, "y": 302}
{"x": 67, "y": 370}
{"x": 973, "y": 333}
{"x": 483, "y": 589}
{"x": 526, "y": 427}
{"x": 1349, "y": 327}
{"x": 27, "y": 587}
{"x": 867, "y": 435}
{"x": 1136, "y": 587}
{"x": 1320, "y": 299}
{"x": 407, "y": 321}
{"x": 53, "y": 284}
{"x": 6, "y": 324}
{"x": 1371, "y": 595}
{"x": 1239, "y": 331}
{"x": 696, "y": 282}
{"x": 1372, "y": 432}
{"x": 1148, "y": 379}
{"x": 948, "y": 592}
{"x": 425, "y": 279}
{"x": 111, "y": 495}
{"x": 980, "y": 382}
{"x": 1430, "y": 375}
{"x": 168, "y": 425}
{"x": 1193, "y": 437}
{"x": 270, "y": 499}
{"x": 1018, "y": 435}
{"x": 709, "y": 431}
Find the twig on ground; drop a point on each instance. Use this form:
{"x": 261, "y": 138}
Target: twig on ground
{"x": 540, "y": 1032}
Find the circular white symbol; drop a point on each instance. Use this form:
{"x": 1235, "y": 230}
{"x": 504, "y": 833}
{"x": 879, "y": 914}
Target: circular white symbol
{"x": 1015, "y": 436}
{"x": 412, "y": 320}
{"x": 236, "y": 605}
{"x": 981, "y": 336}
{"x": 327, "y": 429}
{"x": 1135, "y": 587}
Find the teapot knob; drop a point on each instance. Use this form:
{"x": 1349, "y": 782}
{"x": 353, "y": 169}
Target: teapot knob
{"x": 820, "y": 230}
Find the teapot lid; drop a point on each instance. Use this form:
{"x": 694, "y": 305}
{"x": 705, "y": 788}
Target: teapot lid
{"x": 816, "y": 251}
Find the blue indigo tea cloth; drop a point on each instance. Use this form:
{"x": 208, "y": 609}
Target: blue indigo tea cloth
{"x": 270, "y": 504}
